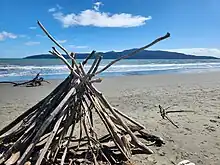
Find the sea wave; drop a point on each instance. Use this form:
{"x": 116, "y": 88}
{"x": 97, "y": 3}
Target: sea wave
{"x": 53, "y": 70}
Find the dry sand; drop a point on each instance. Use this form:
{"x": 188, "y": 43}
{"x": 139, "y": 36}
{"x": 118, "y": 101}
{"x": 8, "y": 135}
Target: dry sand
{"x": 198, "y": 136}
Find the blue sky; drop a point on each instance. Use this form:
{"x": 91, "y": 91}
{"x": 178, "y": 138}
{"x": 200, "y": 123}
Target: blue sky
{"x": 105, "y": 25}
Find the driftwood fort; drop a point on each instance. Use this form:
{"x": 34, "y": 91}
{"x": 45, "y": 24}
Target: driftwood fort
{"x": 61, "y": 129}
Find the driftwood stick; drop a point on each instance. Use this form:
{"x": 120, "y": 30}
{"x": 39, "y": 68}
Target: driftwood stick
{"x": 179, "y": 111}
{"x": 72, "y": 120}
{"x": 133, "y": 53}
{"x": 9, "y": 82}
{"x": 127, "y": 145}
{"x": 171, "y": 121}
{"x": 80, "y": 133}
{"x": 97, "y": 65}
{"x": 14, "y": 157}
{"x": 89, "y": 138}
{"x": 90, "y": 111}
{"x": 88, "y": 57}
{"x": 54, "y": 41}
{"x": 93, "y": 65}
{"x": 116, "y": 137}
{"x": 66, "y": 147}
{"x": 98, "y": 80}
{"x": 71, "y": 55}
{"x": 164, "y": 115}
{"x": 109, "y": 125}
{"x": 65, "y": 61}
{"x": 60, "y": 46}
{"x": 51, "y": 137}
{"x": 82, "y": 69}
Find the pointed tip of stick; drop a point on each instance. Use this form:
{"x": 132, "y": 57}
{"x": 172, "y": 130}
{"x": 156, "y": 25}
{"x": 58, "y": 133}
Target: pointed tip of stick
{"x": 38, "y": 22}
{"x": 168, "y": 34}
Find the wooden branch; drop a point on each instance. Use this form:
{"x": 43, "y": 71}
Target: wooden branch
{"x": 60, "y": 46}
{"x": 54, "y": 41}
{"x": 71, "y": 55}
{"x": 98, "y": 80}
{"x": 36, "y": 81}
{"x": 133, "y": 53}
{"x": 109, "y": 125}
{"x": 50, "y": 37}
{"x": 71, "y": 133}
{"x": 64, "y": 60}
{"x": 164, "y": 113}
{"x": 89, "y": 138}
{"x": 97, "y": 65}
{"x": 178, "y": 111}
{"x": 49, "y": 140}
{"x": 88, "y": 57}
{"x": 93, "y": 65}
{"x": 8, "y": 82}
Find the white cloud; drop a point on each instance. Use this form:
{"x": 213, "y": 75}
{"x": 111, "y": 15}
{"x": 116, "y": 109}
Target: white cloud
{"x": 31, "y": 43}
{"x": 59, "y": 7}
{"x": 78, "y": 47}
{"x": 97, "y": 5}
{"x": 32, "y": 27}
{"x": 198, "y": 51}
{"x": 100, "y": 19}
{"x": 4, "y": 35}
{"x": 52, "y": 9}
{"x": 62, "y": 41}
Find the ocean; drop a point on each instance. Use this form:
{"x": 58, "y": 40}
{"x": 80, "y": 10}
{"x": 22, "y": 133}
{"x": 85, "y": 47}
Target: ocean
{"x": 25, "y": 69}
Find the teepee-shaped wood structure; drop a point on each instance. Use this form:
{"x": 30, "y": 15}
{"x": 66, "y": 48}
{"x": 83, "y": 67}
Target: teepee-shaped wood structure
{"x": 61, "y": 129}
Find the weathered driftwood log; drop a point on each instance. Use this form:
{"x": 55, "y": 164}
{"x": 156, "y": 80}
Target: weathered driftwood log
{"x": 61, "y": 128}
{"x": 36, "y": 81}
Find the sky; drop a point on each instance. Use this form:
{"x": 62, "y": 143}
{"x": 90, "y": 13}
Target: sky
{"x": 109, "y": 25}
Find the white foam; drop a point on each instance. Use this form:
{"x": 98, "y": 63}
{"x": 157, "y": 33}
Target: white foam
{"x": 31, "y": 70}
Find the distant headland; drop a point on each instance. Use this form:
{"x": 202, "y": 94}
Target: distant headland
{"x": 146, "y": 54}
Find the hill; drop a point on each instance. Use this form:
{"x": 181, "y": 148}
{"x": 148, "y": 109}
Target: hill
{"x": 146, "y": 54}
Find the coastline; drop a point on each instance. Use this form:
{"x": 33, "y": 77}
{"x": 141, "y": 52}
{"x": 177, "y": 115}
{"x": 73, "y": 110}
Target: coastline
{"x": 197, "y": 139}
{"x": 20, "y": 69}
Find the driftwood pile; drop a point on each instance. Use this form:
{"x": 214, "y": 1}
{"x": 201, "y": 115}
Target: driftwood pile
{"x": 62, "y": 129}
{"x": 36, "y": 81}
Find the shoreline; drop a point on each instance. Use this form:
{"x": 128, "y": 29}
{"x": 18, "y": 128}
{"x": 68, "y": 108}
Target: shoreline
{"x": 197, "y": 138}
{"x": 177, "y": 74}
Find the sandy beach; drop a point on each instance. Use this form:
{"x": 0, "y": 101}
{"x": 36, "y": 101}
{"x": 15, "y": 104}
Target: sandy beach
{"x": 198, "y": 136}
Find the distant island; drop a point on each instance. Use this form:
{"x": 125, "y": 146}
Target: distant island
{"x": 146, "y": 54}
